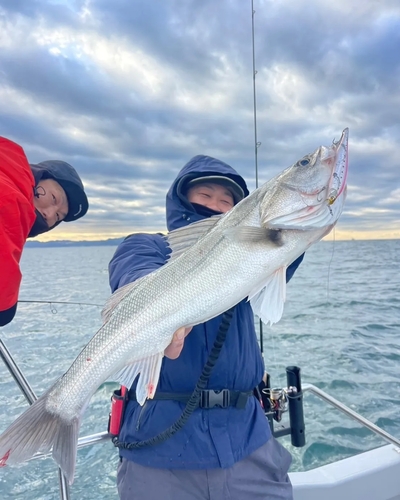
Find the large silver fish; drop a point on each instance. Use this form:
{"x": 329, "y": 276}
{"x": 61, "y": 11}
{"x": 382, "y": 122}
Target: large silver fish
{"x": 214, "y": 265}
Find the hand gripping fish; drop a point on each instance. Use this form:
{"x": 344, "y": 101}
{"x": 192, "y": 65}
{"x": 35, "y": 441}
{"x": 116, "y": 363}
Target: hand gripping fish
{"x": 214, "y": 264}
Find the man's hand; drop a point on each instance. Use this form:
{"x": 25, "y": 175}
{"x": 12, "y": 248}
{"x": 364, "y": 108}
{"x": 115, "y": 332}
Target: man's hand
{"x": 176, "y": 346}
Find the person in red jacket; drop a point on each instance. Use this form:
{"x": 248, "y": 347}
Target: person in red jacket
{"x": 33, "y": 199}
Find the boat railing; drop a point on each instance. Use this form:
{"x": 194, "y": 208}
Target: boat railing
{"x": 101, "y": 437}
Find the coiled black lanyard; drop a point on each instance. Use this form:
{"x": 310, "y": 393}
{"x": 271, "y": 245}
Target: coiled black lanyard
{"x": 193, "y": 402}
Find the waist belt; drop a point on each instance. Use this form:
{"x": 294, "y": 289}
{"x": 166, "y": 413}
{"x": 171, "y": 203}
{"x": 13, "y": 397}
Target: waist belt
{"x": 208, "y": 398}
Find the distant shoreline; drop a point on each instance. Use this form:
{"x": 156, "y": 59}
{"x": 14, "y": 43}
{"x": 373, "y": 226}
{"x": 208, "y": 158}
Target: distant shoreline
{"x": 117, "y": 241}
{"x": 70, "y": 243}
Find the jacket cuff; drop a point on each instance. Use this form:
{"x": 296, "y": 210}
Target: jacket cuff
{"x": 7, "y": 315}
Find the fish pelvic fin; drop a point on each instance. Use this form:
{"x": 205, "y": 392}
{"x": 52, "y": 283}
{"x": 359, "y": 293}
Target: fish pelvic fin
{"x": 149, "y": 370}
{"x": 38, "y": 430}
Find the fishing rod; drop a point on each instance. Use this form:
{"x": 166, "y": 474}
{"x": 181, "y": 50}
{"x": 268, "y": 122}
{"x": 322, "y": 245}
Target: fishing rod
{"x": 54, "y": 302}
{"x": 59, "y": 302}
{"x": 257, "y": 144}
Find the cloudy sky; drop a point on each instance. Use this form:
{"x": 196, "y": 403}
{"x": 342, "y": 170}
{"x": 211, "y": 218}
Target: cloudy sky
{"x": 127, "y": 91}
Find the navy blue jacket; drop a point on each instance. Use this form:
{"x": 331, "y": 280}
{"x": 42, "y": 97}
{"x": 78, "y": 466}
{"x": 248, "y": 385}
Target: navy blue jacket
{"x": 214, "y": 437}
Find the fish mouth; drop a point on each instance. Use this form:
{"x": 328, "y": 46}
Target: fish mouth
{"x": 339, "y": 175}
{"x": 322, "y": 207}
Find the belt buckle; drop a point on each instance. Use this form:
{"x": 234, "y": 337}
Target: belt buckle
{"x": 210, "y": 399}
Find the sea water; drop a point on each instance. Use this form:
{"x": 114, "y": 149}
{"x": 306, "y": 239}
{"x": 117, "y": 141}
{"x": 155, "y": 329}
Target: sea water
{"x": 341, "y": 325}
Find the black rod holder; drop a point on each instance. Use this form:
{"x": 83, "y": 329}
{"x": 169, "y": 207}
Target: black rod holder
{"x": 296, "y": 415}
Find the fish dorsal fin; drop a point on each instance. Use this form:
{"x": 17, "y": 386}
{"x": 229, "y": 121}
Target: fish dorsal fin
{"x": 148, "y": 370}
{"x": 267, "y": 301}
{"x": 183, "y": 238}
{"x": 116, "y": 298}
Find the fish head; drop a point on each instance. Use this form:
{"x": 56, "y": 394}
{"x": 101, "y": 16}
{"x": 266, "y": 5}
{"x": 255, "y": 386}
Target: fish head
{"x": 311, "y": 193}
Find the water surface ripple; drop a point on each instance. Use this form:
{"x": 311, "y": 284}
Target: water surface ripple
{"x": 341, "y": 325}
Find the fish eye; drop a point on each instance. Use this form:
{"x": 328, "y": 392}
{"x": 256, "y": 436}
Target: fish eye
{"x": 304, "y": 162}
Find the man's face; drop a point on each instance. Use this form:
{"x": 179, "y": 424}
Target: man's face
{"x": 51, "y": 201}
{"x": 210, "y": 195}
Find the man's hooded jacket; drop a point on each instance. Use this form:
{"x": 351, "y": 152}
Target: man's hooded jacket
{"x": 211, "y": 438}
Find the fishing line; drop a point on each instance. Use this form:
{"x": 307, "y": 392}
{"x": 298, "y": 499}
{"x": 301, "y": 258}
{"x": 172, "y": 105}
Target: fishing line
{"x": 330, "y": 262}
{"x": 51, "y": 302}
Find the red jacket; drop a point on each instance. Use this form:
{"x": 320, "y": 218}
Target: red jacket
{"x": 17, "y": 215}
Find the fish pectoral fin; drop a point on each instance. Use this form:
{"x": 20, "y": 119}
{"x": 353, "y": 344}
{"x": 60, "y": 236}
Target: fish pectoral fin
{"x": 254, "y": 234}
{"x": 267, "y": 303}
{"x": 116, "y": 298}
{"x": 149, "y": 370}
{"x": 183, "y": 238}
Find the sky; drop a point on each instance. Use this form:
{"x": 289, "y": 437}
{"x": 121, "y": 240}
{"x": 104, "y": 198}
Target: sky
{"x": 128, "y": 91}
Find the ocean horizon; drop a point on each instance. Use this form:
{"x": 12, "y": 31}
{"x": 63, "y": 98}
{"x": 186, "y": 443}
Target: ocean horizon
{"x": 32, "y": 243}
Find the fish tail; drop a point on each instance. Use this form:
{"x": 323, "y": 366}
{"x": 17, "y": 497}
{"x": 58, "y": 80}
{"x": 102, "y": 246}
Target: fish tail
{"x": 65, "y": 447}
{"x": 39, "y": 430}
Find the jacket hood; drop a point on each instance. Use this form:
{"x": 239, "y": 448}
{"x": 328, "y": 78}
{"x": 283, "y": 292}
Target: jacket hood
{"x": 69, "y": 180}
{"x": 180, "y": 213}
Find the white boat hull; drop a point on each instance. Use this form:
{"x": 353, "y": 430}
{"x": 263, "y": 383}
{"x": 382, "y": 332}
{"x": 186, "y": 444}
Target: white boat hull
{"x": 372, "y": 475}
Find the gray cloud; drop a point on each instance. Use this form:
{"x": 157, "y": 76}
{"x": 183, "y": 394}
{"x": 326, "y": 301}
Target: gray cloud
{"x": 128, "y": 92}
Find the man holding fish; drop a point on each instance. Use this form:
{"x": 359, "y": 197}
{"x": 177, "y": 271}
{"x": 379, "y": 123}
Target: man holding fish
{"x": 221, "y": 452}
